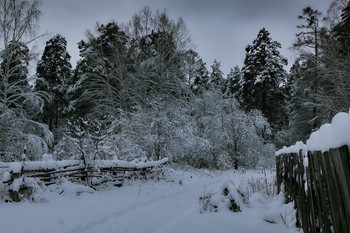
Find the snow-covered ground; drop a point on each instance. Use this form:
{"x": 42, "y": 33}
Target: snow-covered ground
{"x": 170, "y": 205}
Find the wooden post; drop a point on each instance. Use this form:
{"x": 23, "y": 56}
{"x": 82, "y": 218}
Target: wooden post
{"x": 14, "y": 194}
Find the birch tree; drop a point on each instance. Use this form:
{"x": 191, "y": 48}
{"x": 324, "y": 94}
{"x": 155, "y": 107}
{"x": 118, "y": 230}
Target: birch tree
{"x": 18, "y": 101}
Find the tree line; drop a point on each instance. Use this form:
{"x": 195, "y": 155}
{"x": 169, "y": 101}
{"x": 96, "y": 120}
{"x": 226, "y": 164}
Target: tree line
{"x": 140, "y": 91}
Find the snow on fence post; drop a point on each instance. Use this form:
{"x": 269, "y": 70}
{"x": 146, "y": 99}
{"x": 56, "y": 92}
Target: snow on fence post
{"x": 14, "y": 179}
{"x": 320, "y": 190}
{"x": 317, "y": 178}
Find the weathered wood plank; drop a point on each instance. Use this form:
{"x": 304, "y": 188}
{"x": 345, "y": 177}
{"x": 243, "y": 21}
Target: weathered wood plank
{"x": 325, "y": 207}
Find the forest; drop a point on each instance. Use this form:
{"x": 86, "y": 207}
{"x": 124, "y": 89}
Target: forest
{"x": 141, "y": 92}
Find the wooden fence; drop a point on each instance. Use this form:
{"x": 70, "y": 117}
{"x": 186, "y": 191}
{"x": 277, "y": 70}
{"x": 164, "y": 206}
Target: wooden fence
{"x": 320, "y": 190}
{"x": 96, "y": 172}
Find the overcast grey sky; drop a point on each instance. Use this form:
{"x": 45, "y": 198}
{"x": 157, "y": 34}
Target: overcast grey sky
{"x": 220, "y": 29}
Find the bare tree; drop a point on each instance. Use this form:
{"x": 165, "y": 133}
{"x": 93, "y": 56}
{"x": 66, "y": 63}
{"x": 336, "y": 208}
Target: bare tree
{"x": 18, "y": 20}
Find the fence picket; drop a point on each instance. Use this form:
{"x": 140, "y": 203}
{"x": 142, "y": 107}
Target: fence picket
{"x": 325, "y": 206}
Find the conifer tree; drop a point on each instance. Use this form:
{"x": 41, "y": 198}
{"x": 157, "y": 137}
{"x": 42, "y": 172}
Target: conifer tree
{"x": 309, "y": 36}
{"x": 300, "y": 113}
{"x": 191, "y": 63}
{"x": 54, "y": 72}
{"x": 101, "y": 73}
{"x": 309, "y": 45}
{"x": 263, "y": 77}
{"x": 216, "y": 76}
{"x": 200, "y": 78}
{"x": 233, "y": 79}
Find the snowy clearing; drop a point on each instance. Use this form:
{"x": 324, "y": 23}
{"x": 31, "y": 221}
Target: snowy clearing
{"x": 170, "y": 205}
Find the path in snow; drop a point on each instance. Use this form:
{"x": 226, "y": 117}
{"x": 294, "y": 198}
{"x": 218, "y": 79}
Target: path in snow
{"x": 163, "y": 207}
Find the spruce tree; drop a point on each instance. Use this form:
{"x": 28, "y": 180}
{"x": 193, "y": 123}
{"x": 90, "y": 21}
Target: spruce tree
{"x": 54, "y": 72}
{"x": 216, "y": 76}
{"x": 191, "y": 64}
{"x": 263, "y": 78}
{"x": 200, "y": 78}
{"x": 233, "y": 79}
{"x": 101, "y": 72}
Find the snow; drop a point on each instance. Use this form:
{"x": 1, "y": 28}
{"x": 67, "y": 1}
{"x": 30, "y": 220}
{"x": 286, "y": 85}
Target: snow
{"x": 121, "y": 163}
{"x": 331, "y": 135}
{"x": 276, "y": 212}
{"x": 166, "y": 206}
{"x": 6, "y": 177}
{"x": 16, "y": 167}
{"x": 16, "y": 184}
{"x": 70, "y": 189}
{"x": 49, "y": 164}
{"x": 296, "y": 148}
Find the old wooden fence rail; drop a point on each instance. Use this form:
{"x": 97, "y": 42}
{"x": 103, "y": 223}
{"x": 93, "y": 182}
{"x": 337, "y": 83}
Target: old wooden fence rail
{"x": 95, "y": 172}
{"x": 319, "y": 185}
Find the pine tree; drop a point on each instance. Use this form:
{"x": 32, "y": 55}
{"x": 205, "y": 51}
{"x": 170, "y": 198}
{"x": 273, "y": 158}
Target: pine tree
{"x": 100, "y": 73}
{"x": 263, "y": 77}
{"x": 309, "y": 45}
{"x": 196, "y": 72}
{"x": 216, "y": 76}
{"x": 309, "y": 37}
{"x": 200, "y": 78}
{"x": 54, "y": 72}
{"x": 191, "y": 65}
{"x": 233, "y": 79}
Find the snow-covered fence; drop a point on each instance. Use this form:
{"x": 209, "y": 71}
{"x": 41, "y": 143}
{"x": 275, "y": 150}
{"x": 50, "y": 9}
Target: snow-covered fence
{"x": 97, "y": 171}
{"x": 316, "y": 175}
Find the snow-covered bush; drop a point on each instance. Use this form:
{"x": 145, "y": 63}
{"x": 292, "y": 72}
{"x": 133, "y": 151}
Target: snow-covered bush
{"x": 21, "y": 189}
{"x": 229, "y": 198}
{"x": 97, "y": 139}
{"x": 207, "y": 131}
{"x": 21, "y": 135}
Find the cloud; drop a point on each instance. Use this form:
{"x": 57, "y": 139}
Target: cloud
{"x": 221, "y": 29}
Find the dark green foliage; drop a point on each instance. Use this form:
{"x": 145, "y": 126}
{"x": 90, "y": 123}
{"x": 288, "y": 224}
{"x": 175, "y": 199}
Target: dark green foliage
{"x": 101, "y": 71}
{"x": 320, "y": 73}
{"x": 300, "y": 111}
{"x": 216, "y": 76}
{"x": 201, "y": 78}
{"x": 54, "y": 72}
{"x": 263, "y": 77}
{"x": 233, "y": 79}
